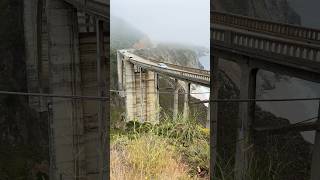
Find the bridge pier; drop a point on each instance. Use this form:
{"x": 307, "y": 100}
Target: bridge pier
{"x": 213, "y": 107}
{"x": 65, "y": 78}
{"x": 141, "y": 91}
{"x": 186, "y": 109}
{"x": 244, "y": 146}
{"x": 176, "y": 99}
{"x": 315, "y": 173}
{"x": 130, "y": 90}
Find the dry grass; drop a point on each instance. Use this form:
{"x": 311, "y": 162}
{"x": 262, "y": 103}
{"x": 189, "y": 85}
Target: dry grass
{"x": 145, "y": 157}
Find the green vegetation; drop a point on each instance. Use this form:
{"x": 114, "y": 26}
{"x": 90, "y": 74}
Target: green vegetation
{"x": 183, "y": 145}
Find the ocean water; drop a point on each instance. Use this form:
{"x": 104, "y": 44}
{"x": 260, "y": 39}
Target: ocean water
{"x": 202, "y": 92}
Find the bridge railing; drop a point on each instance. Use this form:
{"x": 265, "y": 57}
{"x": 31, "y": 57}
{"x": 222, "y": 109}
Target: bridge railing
{"x": 274, "y": 28}
{"x": 194, "y": 77}
{"x": 195, "y": 70}
{"x": 267, "y": 46}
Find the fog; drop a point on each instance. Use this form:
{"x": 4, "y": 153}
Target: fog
{"x": 180, "y": 21}
{"x": 308, "y": 11}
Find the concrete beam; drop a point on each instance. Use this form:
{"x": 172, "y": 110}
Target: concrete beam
{"x": 246, "y": 117}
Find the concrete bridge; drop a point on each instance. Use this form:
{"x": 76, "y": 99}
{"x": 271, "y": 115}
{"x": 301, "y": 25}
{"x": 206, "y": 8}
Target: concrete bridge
{"x": 258, "y": 44}
{"x": 138, "y": 77}
{"x": 66, "y": 54}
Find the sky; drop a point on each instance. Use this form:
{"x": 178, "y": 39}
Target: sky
{"x": 179, "y": 21}
{"x": 308, "y": 11}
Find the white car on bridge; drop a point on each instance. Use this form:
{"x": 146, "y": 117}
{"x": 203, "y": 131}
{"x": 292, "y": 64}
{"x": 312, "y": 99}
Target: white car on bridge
{"x": 162, "y": 65}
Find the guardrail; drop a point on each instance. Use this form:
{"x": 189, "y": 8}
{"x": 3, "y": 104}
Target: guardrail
{"x": 274, "y": 28}
{"x": 195, "y": 70}
{"x": 266, "y": 46}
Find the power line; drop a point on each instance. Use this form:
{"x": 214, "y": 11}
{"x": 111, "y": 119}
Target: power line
{"x": 199, "y": 102}
{"x": 257, "y": 100}
{"x": 54, "y": 95}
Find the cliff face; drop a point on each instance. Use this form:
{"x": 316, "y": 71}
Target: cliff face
{"x": 175, "y": 54}
{"x": 275, "y": 10}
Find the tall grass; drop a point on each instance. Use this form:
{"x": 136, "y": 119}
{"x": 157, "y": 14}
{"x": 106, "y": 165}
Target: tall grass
{"x": 146, "y": 157}
{"x": 185, "y": 141}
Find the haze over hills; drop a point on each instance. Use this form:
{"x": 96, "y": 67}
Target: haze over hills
{"x": 308, "y": 11}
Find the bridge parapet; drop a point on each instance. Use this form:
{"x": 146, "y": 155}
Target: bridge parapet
{"x": 266, "y": 46}
{"x": 190, "y": 69}
{"x": 197, "y": 76}
{"x": 263, "y": 26}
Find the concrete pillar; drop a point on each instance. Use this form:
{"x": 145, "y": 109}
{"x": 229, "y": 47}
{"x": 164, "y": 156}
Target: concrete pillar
{"x": 65, "y": 78}
{"x": 175, "y": 99}
{"x": 246, "y": 116}
{"x": 31, "y": 24}
{"x": 213, "y": 106}
{"x": 103, "y": 79}
{"x": 186, "y": 109}
{"x": 208, "y": 117}
{"x": 120, "y": 71}
{"x": 315, "y": 166}
{"x": 142, "y": 99}
{"x": 152, "y": 104}
{"x": 130, "y": 90}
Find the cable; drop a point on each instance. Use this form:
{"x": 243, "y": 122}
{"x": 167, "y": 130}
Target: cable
{"x": 54, "y": 95}
{"x": 258, "y": 100}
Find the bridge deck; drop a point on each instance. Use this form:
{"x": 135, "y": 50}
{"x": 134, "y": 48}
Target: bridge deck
{"x": 175, "y": 71}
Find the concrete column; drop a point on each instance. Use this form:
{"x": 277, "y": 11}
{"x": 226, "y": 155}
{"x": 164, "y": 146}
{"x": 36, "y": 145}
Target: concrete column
{"x": 65, "y": 78}
{"x": 151, "y": 97}
{"x": 31, "y": 23}
{"x": 103, "y": 67}
{"x": 208, "y": 117}
{"x": 130, "y": 90}
{"x": 120, "y": 71}
{"x": 186, "y": 109}
{"x": 176, "y": 99}
{"x": 158, "y": 108}
{"x": 246, "y": 116}
{"x": 142, "y": 91}
{"x": 315, "y": 166}
{"x": 213, "y": 106}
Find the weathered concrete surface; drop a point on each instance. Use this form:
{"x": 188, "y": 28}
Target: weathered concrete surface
{"x": 31, "y": 42}
{"x": 176, "y": 99}
{"x": 141, "y": 88}
{"x": 65, "y": 78}
{"x": 89, "y": 86}
{"x": 246, "y": 116}
{"x": 186, "y": 108}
